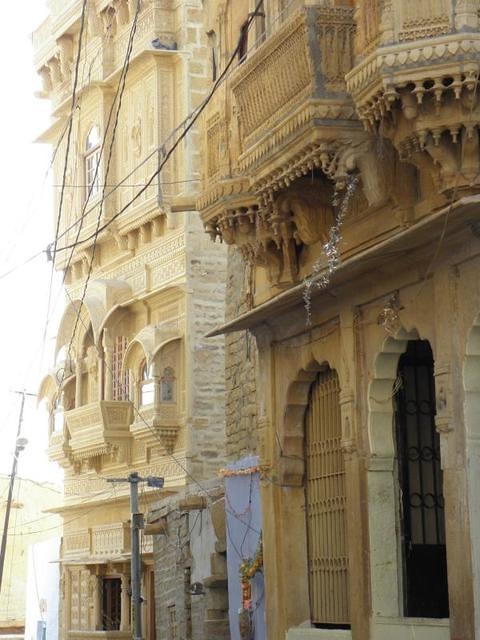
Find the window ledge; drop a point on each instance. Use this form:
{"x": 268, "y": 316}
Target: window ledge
{"x": 303, "y": 633}
{"x": 406, "y": 628}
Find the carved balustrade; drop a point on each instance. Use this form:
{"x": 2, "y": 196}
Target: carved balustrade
{"x": 111, "y": 540}
{"x": 102, "y": 541}
{"x": 77, "y": 544}
{"x": 99, "y": 429}
{"x": 420, "y": 88}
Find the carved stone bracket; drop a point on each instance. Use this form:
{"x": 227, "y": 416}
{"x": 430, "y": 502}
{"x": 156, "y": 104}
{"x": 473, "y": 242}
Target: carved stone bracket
{"x": 167, "y": 435}
{"x": 425, "y": 99}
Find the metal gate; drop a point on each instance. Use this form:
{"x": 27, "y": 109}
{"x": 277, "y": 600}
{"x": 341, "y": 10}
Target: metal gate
{"x": 326, "y": 502}
{"x": 425, "y": 587}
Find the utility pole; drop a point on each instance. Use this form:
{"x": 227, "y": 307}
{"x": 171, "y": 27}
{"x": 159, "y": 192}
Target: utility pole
{"x": 135, "y": 564}
{"x": 20, "y": 444}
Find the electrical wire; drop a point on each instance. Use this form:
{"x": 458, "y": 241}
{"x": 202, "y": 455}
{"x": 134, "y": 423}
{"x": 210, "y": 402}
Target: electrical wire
{"x": 191, "y": 119}
{"x": 122, "y": 182}
{"x": 166, "y": 157}
{"x": 65, "y": 164}
{"x": 118, "y": 102}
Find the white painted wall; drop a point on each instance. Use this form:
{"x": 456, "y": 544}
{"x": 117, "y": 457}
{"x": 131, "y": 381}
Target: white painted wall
{"x": 42, "y": 589}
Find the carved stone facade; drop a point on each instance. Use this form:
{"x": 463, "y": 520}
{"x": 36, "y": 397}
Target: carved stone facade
{"x": 342, "y": 166}
{"x": 136, "y": 386}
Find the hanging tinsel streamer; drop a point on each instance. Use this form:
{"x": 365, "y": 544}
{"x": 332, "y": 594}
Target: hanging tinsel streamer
{"x": 331, "y": 249}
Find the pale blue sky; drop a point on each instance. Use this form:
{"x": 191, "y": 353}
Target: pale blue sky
{"x": 26, "y": 230}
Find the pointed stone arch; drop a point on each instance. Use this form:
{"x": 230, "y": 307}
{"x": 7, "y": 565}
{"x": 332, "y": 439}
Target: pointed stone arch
{"x": 291, "y": 439}
{"x": 385, "y": 568}
{"x": 380, "y": 414}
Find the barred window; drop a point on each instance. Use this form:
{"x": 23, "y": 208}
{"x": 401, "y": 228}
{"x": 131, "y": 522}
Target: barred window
{"x": 120, "y": 381}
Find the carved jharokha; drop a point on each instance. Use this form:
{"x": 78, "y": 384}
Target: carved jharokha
{"x": 271, "y": 197}
{"x": 423, "y": 96}
{"x": 289, "y": 135}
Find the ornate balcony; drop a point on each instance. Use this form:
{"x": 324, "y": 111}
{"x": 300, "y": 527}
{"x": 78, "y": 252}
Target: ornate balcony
{"x": 291, "y": 118}
{"x": 158, "y": 425}
{"x": 418, "y": 85}
{"x": 99, "y": 429}
{"x": 58, "y": 448}
{"x": 104, "y": 541}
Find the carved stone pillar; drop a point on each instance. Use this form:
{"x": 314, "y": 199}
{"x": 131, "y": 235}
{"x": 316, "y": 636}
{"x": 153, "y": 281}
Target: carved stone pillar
{"x": 386, "y": 30}
{"x": 66, "y": 596}
{"x": 101, "y": 375}
{"x": 355, "y": 478}
{"x": 466, "y": 14}
{"x": 95, "y": 602}
{"x": 449, "y": 422}
{"x": 108, "y": 379}
{"x": 78, "y": 380}
{"x": 157, "y": 394}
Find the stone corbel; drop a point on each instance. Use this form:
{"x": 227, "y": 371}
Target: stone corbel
{"x": 158, "y": 226}
{"x": 132, "y": 241}
{"x": 340, "y": 160}
{"x": 94, "y": 22}
{"x": 145, "y": 234}
{"x": 445, "y": 157}
{"x": 54, "y": 67}
{"x": 122, "y": 11}
{"x": 167, "y": 436}
{"x": 373, "y": 170}
{"x": 119, "y": 239}
{"x": 89, "y": 260}
{"x": 65, "y": 48}
{"x": 109, "y": 21}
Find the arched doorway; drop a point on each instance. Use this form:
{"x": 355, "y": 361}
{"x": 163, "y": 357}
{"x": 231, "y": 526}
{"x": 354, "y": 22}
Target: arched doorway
{"x": 420, "y": 484}
{"x": 325, "y": 495}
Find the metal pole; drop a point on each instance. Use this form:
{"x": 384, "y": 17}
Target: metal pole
{"x": 137, "y": 524}
{"x": 135, "y": 564}
{"x": 18, "y": 447}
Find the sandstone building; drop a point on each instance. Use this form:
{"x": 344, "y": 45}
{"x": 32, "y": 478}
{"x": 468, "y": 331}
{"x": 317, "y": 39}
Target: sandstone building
{"x": 342, "y": 169}
{"x": 136, "y": 386}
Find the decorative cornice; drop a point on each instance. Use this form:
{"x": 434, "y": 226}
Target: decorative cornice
{"x": 373, "y": 82}
{"x": 319, "y": 113}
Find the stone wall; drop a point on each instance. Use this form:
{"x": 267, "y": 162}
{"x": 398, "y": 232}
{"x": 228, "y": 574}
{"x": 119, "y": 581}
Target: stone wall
{"x": 190, "y": 568}
{"x": 205, "y": 375}
{"x": 240, "y": 366}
